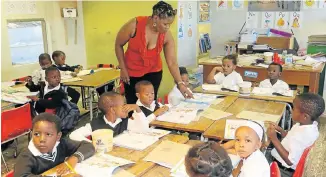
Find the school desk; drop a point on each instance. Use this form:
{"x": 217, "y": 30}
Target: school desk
{"x": 301, "y": 76}
{"x": 92, "y": 82}
{"x": 196, "y": 126}
{"x": 140, "y": 167}
{"x": 160, "y": 171}
{"x": 199, "y": 89}
{"x": 7, "y": 105}
{"x": 216, "y": 130}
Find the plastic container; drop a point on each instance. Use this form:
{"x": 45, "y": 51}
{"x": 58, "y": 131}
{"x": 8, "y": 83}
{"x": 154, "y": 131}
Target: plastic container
{"x": 103, "y": 140}
{"x": 245, "y": 88}
{"x": 268, "y": 56}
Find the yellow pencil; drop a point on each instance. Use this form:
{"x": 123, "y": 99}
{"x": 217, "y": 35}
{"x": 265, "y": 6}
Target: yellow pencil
{"x": 70, "y": 168}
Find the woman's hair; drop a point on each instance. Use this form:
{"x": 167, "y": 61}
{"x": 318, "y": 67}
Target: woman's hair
{"x": 208, "y": 159}
{"x": 163, "y": 10}
{"x": 183, "y": 70}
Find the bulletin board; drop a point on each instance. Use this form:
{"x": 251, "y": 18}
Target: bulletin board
{"x": 273, "y": 5}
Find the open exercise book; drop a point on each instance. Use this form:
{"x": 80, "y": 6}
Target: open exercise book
{"x": 231, "y": 126}
{"x": 100, "y": 165}
{"x": 139, "y": 140}
{"x": 179, "y": 114}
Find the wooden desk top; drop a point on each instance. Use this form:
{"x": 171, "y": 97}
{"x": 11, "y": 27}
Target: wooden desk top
{"x": 319, "y": 69}
{"x": 140, "y": 167}
{"x": 96, "y": 79}
{"x": 160, "y": 171}
{"x": 196, "y": 126}
{"x": 199, "y": 89}
{"x": 216, "y": 130}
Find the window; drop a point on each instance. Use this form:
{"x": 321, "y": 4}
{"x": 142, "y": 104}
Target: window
{"x": 27, "y": 40}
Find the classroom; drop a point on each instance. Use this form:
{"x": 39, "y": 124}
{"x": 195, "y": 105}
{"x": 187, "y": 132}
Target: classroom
{"x": 178, "y": 88}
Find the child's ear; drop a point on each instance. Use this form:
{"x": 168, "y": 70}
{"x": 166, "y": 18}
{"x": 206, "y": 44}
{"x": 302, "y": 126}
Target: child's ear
{"x": 280, "y": 74}
{"x": 59, "y": 136}
{"x": 137, "y": 95}
{"x": 258, "y": 145}
{"x": 306, "y": 117}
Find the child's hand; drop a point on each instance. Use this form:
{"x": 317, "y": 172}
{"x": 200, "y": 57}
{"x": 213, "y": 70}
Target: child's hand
{"x": 29, "y": 80}
{"x": 34, "y": 98}
{"x": 64, "y": 169}
{"x": 73, "y": 74}
{"x": 277, "y": 128}
{"x": 161, "y": 111}
{"x": 271, "y": 132}
{"x": 80, "y": 67}
{"x": 131, "y": 107}
{"x": 218, "y": 69}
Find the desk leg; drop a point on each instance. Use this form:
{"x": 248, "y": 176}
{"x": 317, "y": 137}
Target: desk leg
{"x": 90, "y": 98}
{"x": 314, "y": 82}
{"x": 83, "y": 97}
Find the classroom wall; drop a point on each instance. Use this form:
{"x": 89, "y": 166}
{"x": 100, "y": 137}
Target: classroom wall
{"x": 50, "y": 11}
{"x": 103, "y": 19}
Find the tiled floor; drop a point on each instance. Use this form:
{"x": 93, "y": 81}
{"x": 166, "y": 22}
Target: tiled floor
{"x": 23, "y": 142}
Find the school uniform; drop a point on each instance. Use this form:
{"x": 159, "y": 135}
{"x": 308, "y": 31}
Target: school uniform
{"x": 175, "y": 94}
{"x": 230, "y": 81}
{"x": 149, "y": 111}
{"x": 279, "y": 85}
{"x": 32, "y": 163}
{"x": 255, "y": 165}
{"x": 66, "y": 67}
{"x": 295, "y": 142}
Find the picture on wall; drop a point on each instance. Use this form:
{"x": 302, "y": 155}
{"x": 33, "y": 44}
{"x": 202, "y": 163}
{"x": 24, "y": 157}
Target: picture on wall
{"x": 252, "y": 20}
{"x": 295, "y": 20}
{"x": 204, "y": 15}
{"x": 222, "y": 5}
{"x": 281, "y": 20}
{"x": 237, "y": 4}
{"x": 267, "y": 20}
{"x": 310, "y": 4}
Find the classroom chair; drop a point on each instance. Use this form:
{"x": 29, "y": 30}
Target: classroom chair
{"x": 15, "y": 122}
{"x": 300, "y": 167}
{"x": 10, "y": 174}
{"x": 275, "y": 171}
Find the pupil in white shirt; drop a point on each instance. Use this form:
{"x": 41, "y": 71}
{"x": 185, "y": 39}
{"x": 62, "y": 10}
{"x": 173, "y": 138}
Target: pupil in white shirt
{"x": 229, "y": 64}
{"x": 53, "y": 77}
{"x": 59, "y": 57}
{"x": 145, "y": 92}
{"x": 274, "y": 72}
{"x": 246, "y": 141}
{"x": 44, "y": 60}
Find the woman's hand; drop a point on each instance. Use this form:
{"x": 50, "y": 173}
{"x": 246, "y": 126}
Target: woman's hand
{"x": 124, "y": 76}
{"x": 185, "y": 91}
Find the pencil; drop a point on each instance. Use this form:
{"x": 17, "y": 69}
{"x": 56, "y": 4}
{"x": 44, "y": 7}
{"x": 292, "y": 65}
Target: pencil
{"x": 70, "y": 168}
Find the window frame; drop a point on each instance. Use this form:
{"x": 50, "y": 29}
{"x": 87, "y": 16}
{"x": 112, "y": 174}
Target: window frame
{"x": 44, "y": 35}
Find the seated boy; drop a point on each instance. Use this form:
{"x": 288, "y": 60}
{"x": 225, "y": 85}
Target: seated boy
{"x": 39, "y": 75}
{"x": 226, "y": 75}
{"x": 52, "y": 94}
{"x": 273, "y": 81}
{"x": 114, "y": 116}
{"x": 307, "y": 108}
{"x": 59, "y": 58}
{"x": 150, "y": 107}
{"x": 175, "y": 93}
{"x": 47, "y": 150}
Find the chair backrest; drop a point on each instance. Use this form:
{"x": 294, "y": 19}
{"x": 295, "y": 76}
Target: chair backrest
{"x": 275, "y": 171}
{"x": 15, "y": 122}
{"x": 166, "y": 99}
{"x": 10, "y": 174}
{"x": 105, "y": 66}
{"x": 22, "y": 79}
{"x": 300, "y": 167}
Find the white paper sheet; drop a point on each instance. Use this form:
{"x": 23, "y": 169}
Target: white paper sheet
{"x": 212, "y": 87}
{"x": 257, "y": 116}
{"x": 179, "y": 115}
{"x": 214, "y": 114}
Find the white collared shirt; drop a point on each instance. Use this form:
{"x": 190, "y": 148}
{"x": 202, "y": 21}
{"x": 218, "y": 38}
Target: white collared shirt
{"x": 296, "y": 141}
{"x": 175, "y": 94}
{"x": 279, "y": 85}
{"x": 47, "y": 90}
{"x": 229, "y": 81}
{"x": 255, "y": 165}
{"x": 81, "y": 133}
{"x": 46, "y": 156}
{"x": 151, "y": 107}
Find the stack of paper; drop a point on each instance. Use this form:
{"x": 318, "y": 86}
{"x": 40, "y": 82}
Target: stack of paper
{"x": 18, "y": 97}
{"x": 100, "y": 165}
{"x": 232, "y": 125}
{"x": 85, "y": 72}
{"x": 271, "y": 92}
{"x": 211, "y": 87}
{"x": 257, "y": 116}
{"x": 214, "y": 114}
{"x": 168, "y": 153}
{"x": 71, "y": 79}
{"x": 179, "y": 115}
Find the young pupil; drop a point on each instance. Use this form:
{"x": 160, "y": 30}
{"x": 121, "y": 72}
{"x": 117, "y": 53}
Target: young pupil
{"x": 150, "y": 108}
{"x": 208, "y": 159}
{"x": 247, "y": 144}
{"x": 59, "y": 58}
{"x": 226, "y": 75}
{"x": 273, "y": 81}
{"x": 39, "y": 75}
{"x": 175, "y": 92}
{"x": 306, "y": 111}
{"x": 114, "y": 117}
{"x": 47, "y": 150}
{"x": 52, "y": 94}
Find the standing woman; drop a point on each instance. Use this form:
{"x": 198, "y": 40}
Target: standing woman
{"x": 147, "y": 36}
